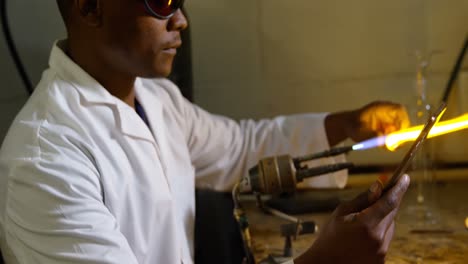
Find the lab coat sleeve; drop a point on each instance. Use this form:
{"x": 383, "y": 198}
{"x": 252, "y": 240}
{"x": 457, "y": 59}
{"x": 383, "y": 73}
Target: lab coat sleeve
{"x": 55, "y": 212}
{"x": 223, "y": 150}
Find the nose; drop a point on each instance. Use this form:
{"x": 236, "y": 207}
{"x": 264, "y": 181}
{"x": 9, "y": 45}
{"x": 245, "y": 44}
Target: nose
{"x": 177, "y": 22}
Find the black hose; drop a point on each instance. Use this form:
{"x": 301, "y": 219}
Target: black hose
{"x": 12, "y": 48}
{"x": 455, "y": 71}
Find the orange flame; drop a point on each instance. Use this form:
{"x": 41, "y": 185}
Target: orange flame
{"x": 394, "y": 140}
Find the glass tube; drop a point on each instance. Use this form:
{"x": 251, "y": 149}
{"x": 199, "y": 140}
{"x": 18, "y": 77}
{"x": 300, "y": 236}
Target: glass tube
{"x": 423, "y": 172}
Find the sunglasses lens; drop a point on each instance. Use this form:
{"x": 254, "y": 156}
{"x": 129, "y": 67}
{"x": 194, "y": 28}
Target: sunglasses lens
{"x": 164, "y": 8}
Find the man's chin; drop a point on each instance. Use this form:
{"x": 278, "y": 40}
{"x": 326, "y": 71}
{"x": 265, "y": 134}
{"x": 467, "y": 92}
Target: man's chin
{"x": 158, "y": 73}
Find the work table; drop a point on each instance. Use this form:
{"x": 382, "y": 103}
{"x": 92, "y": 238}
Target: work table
{"x": 440, "y": 237}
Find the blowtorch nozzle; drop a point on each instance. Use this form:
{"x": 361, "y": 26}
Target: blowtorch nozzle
{"x": 317, "y": 171}
{"x": 327, "y": 153}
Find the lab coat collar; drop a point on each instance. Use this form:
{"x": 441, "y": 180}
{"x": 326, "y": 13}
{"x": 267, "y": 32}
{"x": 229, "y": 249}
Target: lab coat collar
{"x": 127, "y": 120}
{"x": 86, "y": 85}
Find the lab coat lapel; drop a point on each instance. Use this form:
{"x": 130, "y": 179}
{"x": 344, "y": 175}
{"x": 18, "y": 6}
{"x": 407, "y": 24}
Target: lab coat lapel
{"x": 126, "y": 118}
{"x": 154, "y": 110}
{"x": 133, "y": 125}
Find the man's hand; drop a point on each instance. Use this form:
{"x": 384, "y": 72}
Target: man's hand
{"x": 374, "y": 119}
{"x": 377, "y": 118}
{"x": 359, "y": 231}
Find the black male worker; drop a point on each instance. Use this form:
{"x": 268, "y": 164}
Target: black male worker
{"x": 101, "y": 164}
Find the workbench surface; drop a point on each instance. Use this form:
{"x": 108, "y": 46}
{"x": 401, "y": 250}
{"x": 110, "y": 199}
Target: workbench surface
{"x": 442, "y": 236}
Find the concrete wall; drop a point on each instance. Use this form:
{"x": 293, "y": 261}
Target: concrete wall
{"x": 34, "y": 25}
{"x": 268, "y": 57}
{"x": 260, "y": 58}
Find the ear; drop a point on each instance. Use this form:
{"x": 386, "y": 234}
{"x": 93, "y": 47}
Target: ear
{"x": 90, "y": 11}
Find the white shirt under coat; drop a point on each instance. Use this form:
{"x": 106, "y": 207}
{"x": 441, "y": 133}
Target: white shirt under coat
{"x": 84, "y": 180}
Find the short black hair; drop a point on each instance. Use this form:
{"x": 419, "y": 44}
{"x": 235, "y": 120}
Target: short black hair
{"x": 65, "y": 9}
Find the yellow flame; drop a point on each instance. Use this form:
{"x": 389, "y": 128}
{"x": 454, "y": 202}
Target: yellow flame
{"x": 394, "y": 140}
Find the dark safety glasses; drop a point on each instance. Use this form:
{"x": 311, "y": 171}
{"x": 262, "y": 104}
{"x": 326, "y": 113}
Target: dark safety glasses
{"x": 163, "y": 9}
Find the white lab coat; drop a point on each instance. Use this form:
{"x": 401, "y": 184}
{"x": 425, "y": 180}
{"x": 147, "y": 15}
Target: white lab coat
{"x": 84, "y": 180}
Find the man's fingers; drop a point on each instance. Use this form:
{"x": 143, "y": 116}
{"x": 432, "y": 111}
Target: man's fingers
{"x": 385, "y": 224}
{"x": 385, "y": 117}
{"x": 362, "y": 201}
{"x": 390, "y": 201}
{"x": 388, "y": 238}
{"x": 355, "y": 205}
{"x": 375, "y": 191}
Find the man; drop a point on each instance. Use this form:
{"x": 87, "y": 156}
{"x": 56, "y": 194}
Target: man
{"x": 100, "y": 166}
